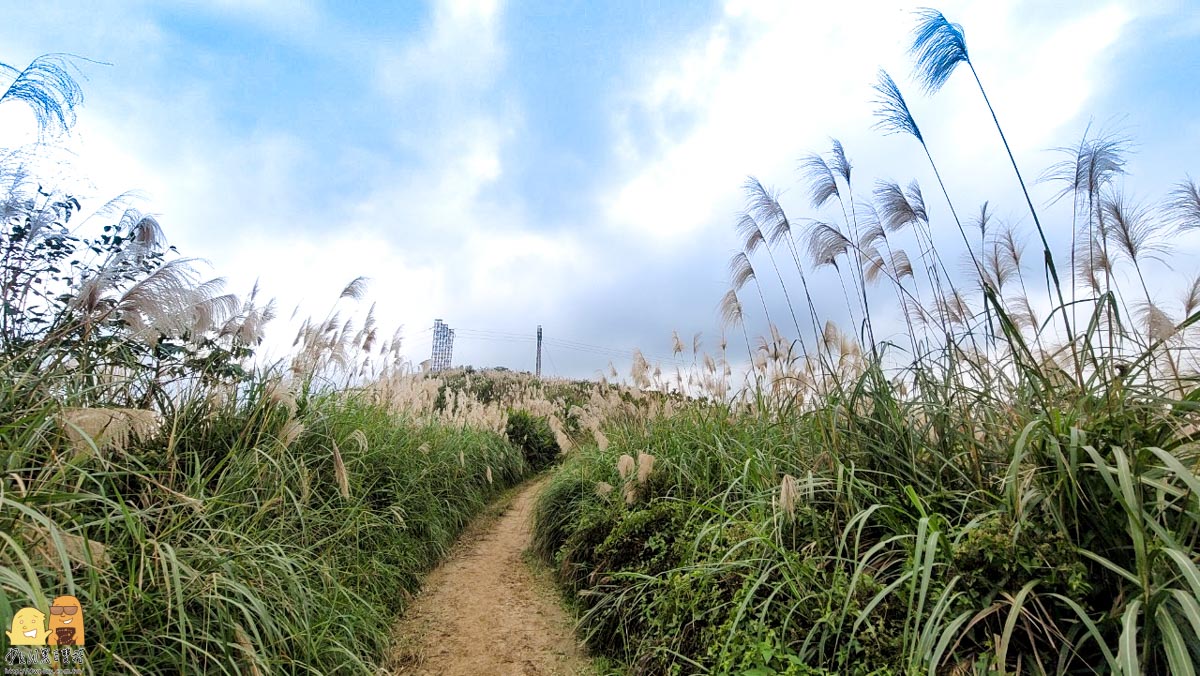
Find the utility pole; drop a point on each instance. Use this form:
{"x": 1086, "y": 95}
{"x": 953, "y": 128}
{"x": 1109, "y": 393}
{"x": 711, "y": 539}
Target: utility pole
{"x": 539, "y": 352}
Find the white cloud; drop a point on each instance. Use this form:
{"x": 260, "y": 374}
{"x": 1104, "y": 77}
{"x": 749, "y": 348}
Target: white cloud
{"x": 293, "y": 18}
{"x": 462, "y": 48}
{"x": 772, "y": 80}
{"x": 427, "y": 210}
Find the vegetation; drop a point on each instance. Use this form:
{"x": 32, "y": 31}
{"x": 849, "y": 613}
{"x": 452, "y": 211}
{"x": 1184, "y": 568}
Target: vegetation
{"x": 212, "y": 516}
{"x": 1001, "y": 489}
{"x": 1008, "y": 483}
{"x": 534, "y": 437}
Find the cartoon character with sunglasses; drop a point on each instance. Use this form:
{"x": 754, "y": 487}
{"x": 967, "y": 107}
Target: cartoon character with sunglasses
{"x": 66, "y": 622}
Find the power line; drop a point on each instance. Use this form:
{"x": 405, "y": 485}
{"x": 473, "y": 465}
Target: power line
{"x": 495, "y": 338}
{"x": 572, "y": 345}
{"x": 615, "y": 352}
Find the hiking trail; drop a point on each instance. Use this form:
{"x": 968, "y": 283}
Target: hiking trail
{"x": 484, "y": 611}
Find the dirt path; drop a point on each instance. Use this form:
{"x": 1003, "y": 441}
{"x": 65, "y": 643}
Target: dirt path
{"x": 484, "y": 612}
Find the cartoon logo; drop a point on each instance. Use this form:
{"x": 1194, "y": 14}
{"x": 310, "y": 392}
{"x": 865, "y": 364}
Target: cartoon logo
{"x": 28, "y": 628}
{"x": 66, "y": 622}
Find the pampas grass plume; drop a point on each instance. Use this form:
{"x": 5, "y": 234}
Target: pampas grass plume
{"x": 645, "y": 465}
{"x": 625, "y": 465}
{"x": 339, "y": 470}
{"x": 788, "y": 494}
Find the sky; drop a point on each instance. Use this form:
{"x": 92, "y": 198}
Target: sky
{"x": 574, "y": 165}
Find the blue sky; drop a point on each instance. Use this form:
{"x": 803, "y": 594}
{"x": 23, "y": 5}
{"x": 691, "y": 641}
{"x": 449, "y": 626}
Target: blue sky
{"x": 576, "y": 164}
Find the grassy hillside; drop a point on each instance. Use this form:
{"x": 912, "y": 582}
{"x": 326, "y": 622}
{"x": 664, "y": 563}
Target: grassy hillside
{"x": 264, "y": 532}
{"x": 1006, "y": 483}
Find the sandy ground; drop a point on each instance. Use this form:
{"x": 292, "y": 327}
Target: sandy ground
{"x": 485, "y": 612}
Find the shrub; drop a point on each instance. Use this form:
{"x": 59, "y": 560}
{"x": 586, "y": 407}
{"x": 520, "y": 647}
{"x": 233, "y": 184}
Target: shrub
{"x": 532, "y": 434}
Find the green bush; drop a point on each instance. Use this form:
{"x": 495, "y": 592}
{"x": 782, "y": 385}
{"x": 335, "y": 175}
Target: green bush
{"x": 256, "y": 536}
{"x": 532, "y": 434}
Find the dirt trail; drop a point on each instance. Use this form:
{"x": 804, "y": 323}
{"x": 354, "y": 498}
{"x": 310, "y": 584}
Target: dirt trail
{"x": 484, "y": 612}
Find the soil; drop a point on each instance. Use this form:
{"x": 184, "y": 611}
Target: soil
{"x": 486, "y": 611}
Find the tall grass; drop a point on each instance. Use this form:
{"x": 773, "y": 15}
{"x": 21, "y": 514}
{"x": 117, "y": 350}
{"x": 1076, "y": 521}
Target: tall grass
{"x": 1003, "y": 492}
{"x": 211, "y": 515}
{"x": 265, "y": 532}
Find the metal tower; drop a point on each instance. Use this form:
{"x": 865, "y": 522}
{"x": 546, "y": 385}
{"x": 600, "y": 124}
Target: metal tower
{"x": 443, "y": 346}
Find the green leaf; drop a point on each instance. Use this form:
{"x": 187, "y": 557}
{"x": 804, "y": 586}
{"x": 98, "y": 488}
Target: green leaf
{"x": 1173, "y": 644}
{"x": 1127, "y": 656}
{"x": 1186, "y": 567}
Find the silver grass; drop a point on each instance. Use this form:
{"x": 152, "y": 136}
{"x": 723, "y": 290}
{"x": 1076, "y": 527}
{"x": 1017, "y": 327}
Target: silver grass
{"x": 825, "y": 244}
{"x": 254, "y": 321}
{"x": 1132, "y": 230}
{"x": 901, "y": 266}
{"x": 331, "y": 324}
{"x": 1022, "y": 313}
{"x": 302, "y": 332}
{"x": 106, "y": 428}
{"x": 144, "y": 231}
{"x": 984, "y": 219}
{"x": 169, "y": 302}
{"x": 740, "y": 270}
{"x": 831, "y": 336}
{"x": 1191, "y": 297}
{"x": 1158, "y": 325}
{"x": 88, "y": 297}
{"x": 917, "y": 201}
{"x": 768, "y": 213}
{"x": 874, "y": 266}
{"x": 892, "y": 110}
{"x": 998, "y": 266}
{"x": 48, "y": 88}
{"x": 768, "y": 348}
{"x": 762, "y": 202}
{"x": 356, "y": 289}
{"x": 839, "y": 163}
{"x": 731, "y": 309}
{"x": 1090, "y": 166}
{"x": 752, "y": 234}
{"x": 340, "y": 474}
{"x": 871, "y": 235}
{"x": 1095, "y": 263}
{"x": 167, "y": 283}
{"x": 1010, "y": 246}
{"x": 1183, "y": 205}
{"x": 848, "y": 346}
{"x": 789, "y": 496}
{"x": 645, "y": 466}
{"x": 213, "y": 311}
{"x": 895, "y": 210}
{"x": 866, "y": 214}
{"x": 939, "y": 46}
{"x": 625, "y": 465}
{"x": 953, "y": 309}
{"x": 915, "y": 311}
{"x": 821, "y": 183}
